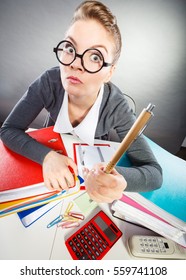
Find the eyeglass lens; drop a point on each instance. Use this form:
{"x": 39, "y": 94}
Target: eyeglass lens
{"x": 92, "y": 59}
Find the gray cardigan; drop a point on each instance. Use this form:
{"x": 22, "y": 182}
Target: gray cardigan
{"x": 114, "y": 116}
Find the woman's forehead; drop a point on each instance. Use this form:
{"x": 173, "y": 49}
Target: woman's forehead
{"x": 90, "y": 33}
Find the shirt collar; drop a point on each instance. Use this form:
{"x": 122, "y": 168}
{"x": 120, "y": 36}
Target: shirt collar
{"x": 86, "y": 129}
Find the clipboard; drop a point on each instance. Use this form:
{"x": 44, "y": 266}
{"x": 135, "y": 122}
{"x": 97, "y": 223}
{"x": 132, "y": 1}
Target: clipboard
{"x": 88, "y": 156}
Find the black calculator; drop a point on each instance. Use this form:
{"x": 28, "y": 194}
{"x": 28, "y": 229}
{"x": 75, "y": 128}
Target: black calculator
{"x": 93, "y": 240}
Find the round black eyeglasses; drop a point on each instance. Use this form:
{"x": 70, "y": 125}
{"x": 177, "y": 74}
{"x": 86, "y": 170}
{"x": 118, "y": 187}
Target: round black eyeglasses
{"x": 92, "y": 60}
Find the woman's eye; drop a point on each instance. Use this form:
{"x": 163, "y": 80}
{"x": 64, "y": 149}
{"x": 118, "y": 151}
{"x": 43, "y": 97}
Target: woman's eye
{"x": 95, "y": 58}
{"x": 68, "y": 49}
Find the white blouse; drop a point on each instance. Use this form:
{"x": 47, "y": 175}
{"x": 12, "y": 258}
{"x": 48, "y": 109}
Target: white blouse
{"x": 86, "y": 129}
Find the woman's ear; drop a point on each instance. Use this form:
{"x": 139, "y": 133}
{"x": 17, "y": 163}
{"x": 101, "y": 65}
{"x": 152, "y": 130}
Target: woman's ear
{"x": 110, "y": 73}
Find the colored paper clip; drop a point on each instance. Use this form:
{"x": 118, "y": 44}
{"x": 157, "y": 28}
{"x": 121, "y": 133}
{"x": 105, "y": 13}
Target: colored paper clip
{"x": 69, "y": 207}
{"x": 76, "y": 215}
{"x": 68, "y": 224}
{"x": 55, "y": 221}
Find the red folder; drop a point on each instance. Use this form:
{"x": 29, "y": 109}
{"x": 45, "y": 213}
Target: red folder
{"x": 17, "y": 171}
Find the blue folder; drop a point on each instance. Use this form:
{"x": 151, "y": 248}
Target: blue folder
{"x": 23, "y": 214}
{"x": 171, "y": 197}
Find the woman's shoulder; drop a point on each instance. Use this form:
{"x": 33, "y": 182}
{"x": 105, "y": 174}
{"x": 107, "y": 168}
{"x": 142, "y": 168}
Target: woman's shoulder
{"x": 52, "y": 73}
{"x": 113, "y": 95}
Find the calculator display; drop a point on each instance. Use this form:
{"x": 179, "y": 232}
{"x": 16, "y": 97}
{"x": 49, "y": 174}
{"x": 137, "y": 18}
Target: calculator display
{"x": 105, "y": 228}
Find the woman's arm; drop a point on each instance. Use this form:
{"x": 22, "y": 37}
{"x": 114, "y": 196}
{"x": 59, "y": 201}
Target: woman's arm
{"x": 40, "y": 95}
{"x": 145, "y": 173}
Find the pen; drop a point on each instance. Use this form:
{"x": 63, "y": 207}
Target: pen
{"x": 137, "y": 128}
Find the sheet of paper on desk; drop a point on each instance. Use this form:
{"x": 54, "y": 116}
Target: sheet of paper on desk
{"x": 29, "y": 191}
{"x": 88, "y": 156}
{"x": 11, "y": 207}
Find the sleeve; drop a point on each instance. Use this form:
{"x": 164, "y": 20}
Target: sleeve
{"x": 25, "y": 111}
{"x": 145, "y": 173}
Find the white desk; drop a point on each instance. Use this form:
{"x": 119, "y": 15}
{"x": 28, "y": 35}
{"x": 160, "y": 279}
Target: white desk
{"x": 37, "y": 242}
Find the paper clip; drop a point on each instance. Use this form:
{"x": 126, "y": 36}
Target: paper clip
{"x": 55, "y": 221}
{"x": 69, "y": 207}
{"x": 76, "y": 215}
{"x": 68, "y": 224}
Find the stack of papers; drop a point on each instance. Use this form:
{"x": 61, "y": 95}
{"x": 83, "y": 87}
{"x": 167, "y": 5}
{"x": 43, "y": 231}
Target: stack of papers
{"x": 10, "y": 206}
{"x": 22, "y": 184}
{"x": 137, "y": 209}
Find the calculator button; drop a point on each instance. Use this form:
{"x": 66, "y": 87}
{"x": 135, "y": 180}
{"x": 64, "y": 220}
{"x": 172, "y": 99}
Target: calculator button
{"x": 74, "y": 248}
{"x": 78, "y": 255}
{"x": 84, "y": 257}
{"x": 89, "y": 251}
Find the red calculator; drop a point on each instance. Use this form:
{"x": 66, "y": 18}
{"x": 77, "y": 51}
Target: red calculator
{"x": 93, "y": 240}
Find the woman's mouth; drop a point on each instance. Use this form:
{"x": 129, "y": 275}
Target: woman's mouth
{"x": 74, "y": 80}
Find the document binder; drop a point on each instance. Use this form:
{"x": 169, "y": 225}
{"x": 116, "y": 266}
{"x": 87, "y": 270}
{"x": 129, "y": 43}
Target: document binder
{"x": 22, "y": 184}
{"x": 17, "y": 171}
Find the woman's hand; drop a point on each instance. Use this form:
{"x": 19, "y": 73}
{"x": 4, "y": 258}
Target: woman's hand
{"x": 56, "y": 173}
{"x": 103, "y": 187}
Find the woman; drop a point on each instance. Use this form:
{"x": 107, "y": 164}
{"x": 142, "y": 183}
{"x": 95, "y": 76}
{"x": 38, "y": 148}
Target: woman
{"x": 77, "y": 95}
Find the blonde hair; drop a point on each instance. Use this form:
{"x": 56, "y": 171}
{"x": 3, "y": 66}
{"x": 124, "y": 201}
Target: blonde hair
{"x": 101, "y": 13}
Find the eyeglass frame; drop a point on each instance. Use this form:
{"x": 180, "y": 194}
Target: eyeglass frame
{"x": 105, "y": 64}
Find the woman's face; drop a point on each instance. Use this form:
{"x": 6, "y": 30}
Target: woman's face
{"x": 85, "y": 35}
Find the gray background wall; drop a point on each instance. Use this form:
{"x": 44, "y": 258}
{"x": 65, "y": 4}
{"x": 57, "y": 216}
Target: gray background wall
{"x": 152, "y": 67}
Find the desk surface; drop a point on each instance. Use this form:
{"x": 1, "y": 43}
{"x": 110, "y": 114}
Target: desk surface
{"x": 39, "y": 242}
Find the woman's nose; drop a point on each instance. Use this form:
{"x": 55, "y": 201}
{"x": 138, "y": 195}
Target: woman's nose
{"x": 77, "y": 64}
